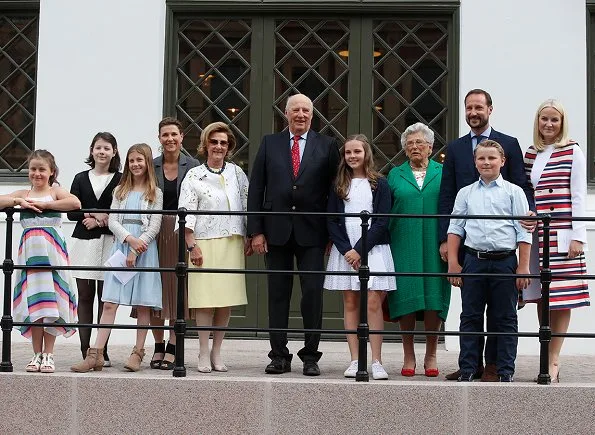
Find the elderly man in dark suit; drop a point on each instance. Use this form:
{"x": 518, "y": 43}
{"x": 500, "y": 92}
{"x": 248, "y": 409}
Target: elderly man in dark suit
{"x": 293, "y": 171}
{"x": 459, "y": 171}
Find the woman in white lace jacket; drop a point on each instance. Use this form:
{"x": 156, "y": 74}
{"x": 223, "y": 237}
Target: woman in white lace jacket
{"x": 215, "y": 241}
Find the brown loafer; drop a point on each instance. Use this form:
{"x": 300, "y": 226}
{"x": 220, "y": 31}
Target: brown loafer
{"x": 490, "y": 374}
{"x": 454, "y": 376}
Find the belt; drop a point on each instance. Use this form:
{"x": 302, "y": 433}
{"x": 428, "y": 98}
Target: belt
{"x": 490, "y": 255}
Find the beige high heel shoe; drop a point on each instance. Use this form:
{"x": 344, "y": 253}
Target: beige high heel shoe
{"x": 93, "y": 361}
{"x": 135, "y": 359}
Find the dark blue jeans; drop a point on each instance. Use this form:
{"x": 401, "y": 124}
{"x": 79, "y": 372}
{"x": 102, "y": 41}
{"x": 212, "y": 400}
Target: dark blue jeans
{"x": 500, "y": 295}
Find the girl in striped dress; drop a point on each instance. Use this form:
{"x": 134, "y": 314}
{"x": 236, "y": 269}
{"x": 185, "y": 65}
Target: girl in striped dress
{"x": 43, "y": 296}
{"x": 557, "y": 169}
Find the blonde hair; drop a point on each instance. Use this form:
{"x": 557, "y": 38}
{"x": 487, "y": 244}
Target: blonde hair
{"x": 562, "y": 138}
{"x": 127, "y": 183}
{"x": 216, "y": 127}
{"x": 345, "y": 173}
{"x": 490, "y": 144}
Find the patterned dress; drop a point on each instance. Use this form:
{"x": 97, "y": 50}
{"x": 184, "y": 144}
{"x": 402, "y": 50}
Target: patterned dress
{"x": 553, "y": 195}
{"x": 44, "y": 294}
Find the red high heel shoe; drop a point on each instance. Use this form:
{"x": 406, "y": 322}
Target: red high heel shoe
{"x": 408, "y": 373}
{"x": 431, "y": 373}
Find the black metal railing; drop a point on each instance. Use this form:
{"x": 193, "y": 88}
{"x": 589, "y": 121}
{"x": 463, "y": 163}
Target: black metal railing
{"x": 363, "y": 331}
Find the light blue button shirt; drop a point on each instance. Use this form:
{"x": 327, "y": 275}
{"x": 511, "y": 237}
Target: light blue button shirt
{"x": 499, "y": 197}
{"x": 302, "y": 143}
{"x": 486, "y": 133}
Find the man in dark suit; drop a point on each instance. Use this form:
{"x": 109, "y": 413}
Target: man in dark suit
{"x": 293, "y": 171}
{"x": 459, "y": 171}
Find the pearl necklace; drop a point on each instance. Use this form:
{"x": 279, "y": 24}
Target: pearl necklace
{"x": 215, "y": 171}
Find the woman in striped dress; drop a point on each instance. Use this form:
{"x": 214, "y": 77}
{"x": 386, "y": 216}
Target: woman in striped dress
{"x": 40, "y": 295}
{"x": 557, "y": 168}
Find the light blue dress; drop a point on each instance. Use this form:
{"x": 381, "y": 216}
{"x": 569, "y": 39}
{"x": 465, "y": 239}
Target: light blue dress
{"x": 145, "y": 288}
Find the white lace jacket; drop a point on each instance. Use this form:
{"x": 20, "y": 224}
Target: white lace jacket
{"x": 151, "y": 222}
{"x": 203, "y": 190}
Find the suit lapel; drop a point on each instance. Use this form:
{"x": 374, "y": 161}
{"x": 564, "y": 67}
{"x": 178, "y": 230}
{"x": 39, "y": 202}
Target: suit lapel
{"x": 467, "y": 153}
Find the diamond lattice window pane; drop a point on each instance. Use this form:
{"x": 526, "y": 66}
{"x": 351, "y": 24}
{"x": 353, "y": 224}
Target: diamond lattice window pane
{"x": 213, "y": 76}
{"x": 18, "y": 66}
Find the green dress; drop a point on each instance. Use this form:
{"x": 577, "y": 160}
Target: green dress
{"x": 414, "y": 243}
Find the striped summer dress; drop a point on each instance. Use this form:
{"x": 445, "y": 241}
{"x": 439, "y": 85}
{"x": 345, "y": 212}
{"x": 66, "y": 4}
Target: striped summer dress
{"x": 44, "y": 294}
{"x": 553, "y": 196}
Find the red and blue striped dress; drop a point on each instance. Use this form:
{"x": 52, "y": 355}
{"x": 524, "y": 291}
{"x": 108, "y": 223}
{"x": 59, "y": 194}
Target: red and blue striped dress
{"x": 553, "y": 195}
{"x": 46, "y": 295}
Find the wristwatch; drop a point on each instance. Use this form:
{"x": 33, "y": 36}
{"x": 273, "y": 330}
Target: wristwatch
{"x": 190, "y": 248}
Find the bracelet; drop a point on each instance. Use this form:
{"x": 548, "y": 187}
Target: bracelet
{"x": 134, "y": 251}
{"x": 97, "y": 222}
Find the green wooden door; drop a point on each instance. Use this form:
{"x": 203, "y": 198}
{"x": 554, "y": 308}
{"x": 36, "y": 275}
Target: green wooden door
{"x": 374, "y": 74}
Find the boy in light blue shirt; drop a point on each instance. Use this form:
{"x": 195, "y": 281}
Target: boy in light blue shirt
{"x": 490, "y": 248}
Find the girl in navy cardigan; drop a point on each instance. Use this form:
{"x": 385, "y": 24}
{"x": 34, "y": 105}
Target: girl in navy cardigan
{"x": 358, "y": 187}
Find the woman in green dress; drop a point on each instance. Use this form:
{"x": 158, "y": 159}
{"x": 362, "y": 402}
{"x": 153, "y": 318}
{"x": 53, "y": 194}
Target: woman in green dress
{"x": 415, "y": 186}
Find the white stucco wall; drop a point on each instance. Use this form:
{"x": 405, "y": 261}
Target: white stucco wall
{"x": 100, "y": 67}
{"x": 510, "y": 48}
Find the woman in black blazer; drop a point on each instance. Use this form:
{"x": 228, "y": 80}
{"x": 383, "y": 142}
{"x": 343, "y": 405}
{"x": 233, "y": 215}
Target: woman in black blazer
{"x": 92, "y": 238}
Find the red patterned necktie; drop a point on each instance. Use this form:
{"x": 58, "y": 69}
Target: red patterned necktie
{"x": 295, "y": 155}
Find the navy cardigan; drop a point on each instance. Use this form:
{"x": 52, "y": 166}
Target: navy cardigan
{"x": 378, "y": 232}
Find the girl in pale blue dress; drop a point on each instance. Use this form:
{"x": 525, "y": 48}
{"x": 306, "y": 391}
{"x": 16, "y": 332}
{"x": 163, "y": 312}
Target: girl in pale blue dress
{"x": 135, "y": 238}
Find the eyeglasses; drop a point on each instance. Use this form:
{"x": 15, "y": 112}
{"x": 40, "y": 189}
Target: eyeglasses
{"x": 417, "y": 143}
{"x": 223, "y": 143}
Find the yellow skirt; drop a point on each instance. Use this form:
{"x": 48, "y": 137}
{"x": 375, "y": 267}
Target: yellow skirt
{"x": 212, "y": 290}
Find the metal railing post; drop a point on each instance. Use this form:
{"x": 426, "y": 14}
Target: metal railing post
{"x": 363, "y": 329}
{"x": 181, "y": 275}
{"x": 8, "y": 268}
{"x": 545, "y": 332}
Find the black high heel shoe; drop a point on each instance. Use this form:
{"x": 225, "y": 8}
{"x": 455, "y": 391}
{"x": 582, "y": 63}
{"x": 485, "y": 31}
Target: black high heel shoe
{"x": 158, "y": 355}
{"x": 169, "y": 360}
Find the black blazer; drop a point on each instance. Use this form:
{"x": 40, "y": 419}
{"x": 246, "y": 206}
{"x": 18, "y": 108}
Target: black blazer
{"x": 378, "y": 230}
{"x": 459, "y": 171}
{"x": 82, "y": 189}
{"x": 274, "y": 188}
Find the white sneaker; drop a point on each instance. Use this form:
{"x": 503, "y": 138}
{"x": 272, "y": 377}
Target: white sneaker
{"x": 378, "y": 371}
{"x": 351, "y": 370}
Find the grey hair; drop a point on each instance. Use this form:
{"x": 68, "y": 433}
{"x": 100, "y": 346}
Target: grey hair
{"x": 418, "y": 127}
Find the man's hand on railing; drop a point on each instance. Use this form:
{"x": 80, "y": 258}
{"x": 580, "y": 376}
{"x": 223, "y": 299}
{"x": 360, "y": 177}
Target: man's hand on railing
{"x": 259, "y": 244}
{"x": 444, "y": 251}
{"x": 529, "y": 225}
